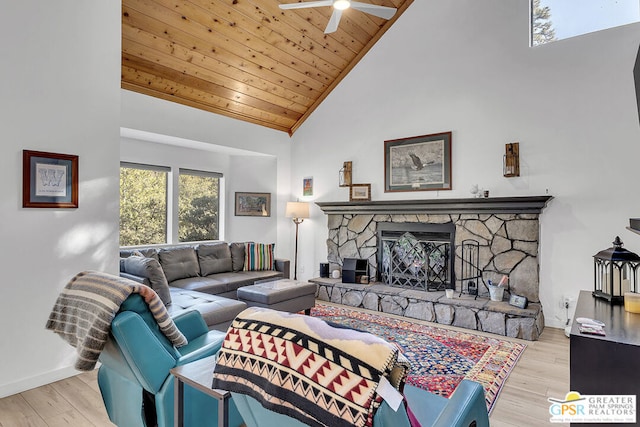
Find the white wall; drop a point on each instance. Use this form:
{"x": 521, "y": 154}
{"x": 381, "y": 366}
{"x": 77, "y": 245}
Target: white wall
{"x": 242, "y": 172}
{"x": 253, "y": 175}
{"x": 258, "y": 160}
{"x": 465, "y": 66}
{"x": 61, "y": 79}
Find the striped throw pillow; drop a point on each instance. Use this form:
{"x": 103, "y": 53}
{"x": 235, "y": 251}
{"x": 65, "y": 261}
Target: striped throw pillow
{"x": 259, "y": 256}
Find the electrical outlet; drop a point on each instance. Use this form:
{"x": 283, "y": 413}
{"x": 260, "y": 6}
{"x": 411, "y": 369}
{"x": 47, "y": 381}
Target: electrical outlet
{"x": 568, "y": 302}
{"x": 301, "y": 268}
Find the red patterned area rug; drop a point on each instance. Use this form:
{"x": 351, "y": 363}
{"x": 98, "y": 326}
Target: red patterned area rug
{"x": 440, "y": 358}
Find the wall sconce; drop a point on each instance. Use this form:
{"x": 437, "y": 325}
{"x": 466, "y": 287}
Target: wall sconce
{"x": 511, "y": 161}
{"x": 344, "y": 176}
{"x": 615, "y": 273}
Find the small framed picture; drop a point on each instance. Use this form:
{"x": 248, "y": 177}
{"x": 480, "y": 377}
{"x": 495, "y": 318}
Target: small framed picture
{"x": 49, "y": 180}
{"x": 307, "y": 186}
{"x": 253, "y": 204}
{"x": 360, "y": 192}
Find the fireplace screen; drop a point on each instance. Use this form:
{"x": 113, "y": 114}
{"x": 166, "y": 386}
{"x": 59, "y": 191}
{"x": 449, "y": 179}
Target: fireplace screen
{"x": 416, "y": 262}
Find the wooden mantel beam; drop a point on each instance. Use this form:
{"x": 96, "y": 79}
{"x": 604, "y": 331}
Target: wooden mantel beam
{"x": 489, "y": 205}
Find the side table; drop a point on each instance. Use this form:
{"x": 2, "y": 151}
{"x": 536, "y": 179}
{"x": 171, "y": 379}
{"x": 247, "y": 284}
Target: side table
{"x": 199, "y": 375}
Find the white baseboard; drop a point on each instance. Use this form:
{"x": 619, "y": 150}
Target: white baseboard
{"x": 37, "y": 381}
{"x": 554, "y": 323}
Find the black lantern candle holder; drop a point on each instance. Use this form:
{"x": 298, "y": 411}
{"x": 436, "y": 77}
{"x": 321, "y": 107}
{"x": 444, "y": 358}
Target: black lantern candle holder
{"x": 615, "y": 272}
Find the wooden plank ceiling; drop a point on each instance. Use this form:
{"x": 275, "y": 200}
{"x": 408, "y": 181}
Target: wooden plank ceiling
{"x": 245, "y": 59}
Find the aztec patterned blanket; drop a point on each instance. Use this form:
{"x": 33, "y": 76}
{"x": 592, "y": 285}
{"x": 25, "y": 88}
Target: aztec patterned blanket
{"x": 84, "y": 310}
{"x": 305, "y": 368}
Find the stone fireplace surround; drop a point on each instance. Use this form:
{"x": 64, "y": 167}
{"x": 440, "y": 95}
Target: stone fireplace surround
{"x": 507, "y": 229}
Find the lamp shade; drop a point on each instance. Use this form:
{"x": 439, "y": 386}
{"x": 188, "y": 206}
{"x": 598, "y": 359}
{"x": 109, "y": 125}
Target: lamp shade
{"x": 297, "y": 210}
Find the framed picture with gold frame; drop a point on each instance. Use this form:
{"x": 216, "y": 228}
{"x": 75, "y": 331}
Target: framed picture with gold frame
{"x": 360, "y": 192}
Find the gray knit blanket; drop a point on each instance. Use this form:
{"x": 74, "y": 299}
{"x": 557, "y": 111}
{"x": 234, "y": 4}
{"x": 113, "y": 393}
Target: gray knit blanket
{"x": 86, "y": 306}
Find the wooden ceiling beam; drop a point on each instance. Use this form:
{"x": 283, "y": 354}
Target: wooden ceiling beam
{"x": 221, "y": 32}
{"x": 241, "y": 103}
{"x": 227, "y": 21}
{"x": 192, "y": 63}
{"x": 271, "y": 72}
{"x": 187, "y": 94}
{"x": 303, "y": 28}
{"x": 256, "y": 22}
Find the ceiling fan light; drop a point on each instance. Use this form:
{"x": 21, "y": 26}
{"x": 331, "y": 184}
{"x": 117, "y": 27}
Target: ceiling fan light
{"x": 341, "y": 4}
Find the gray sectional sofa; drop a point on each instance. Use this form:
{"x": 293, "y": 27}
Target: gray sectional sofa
{"x": 203, "y": 277}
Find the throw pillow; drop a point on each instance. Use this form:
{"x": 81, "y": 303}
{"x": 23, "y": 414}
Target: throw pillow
{"x": 259, "y": 256}
{"x": 151, "y": 269}
{"x": 179, "y": 263}
{"x": 237, "y": 256}
{"x": 214, "y": 258}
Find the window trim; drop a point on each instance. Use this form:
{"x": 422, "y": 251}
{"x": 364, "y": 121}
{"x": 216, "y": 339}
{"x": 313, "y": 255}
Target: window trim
{"x": 206, "y": 174}
{"x": 172, "y": 197}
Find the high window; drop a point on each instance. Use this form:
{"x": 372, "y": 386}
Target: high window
{"x": 553, "y": 20}
{"x": 158, "y": 206}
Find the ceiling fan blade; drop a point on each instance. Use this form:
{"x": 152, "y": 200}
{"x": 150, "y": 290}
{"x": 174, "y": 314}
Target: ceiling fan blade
{"x": 304, "y": 5}
{"x": 372, "y": 9}
{"x": 332, "y": 26}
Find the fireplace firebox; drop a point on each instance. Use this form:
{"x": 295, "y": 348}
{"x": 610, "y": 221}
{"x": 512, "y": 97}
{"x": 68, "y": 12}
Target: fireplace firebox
{"x": 416, "y": 255}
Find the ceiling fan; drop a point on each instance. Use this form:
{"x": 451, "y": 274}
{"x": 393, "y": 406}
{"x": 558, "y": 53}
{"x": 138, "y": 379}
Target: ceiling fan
{"x": 340, "y": 5}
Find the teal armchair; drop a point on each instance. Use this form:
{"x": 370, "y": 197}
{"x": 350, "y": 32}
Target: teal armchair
{"x": 465, "y": 408}
{"x": 134, "y": 379}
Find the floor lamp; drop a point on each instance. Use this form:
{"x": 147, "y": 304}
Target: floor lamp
{"x": 298, "y": 211}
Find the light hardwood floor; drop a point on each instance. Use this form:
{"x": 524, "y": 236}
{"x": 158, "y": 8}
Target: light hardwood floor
{"x": 541, "y": 372}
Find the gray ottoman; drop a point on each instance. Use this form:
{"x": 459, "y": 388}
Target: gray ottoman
{"x": 281, "y": 294}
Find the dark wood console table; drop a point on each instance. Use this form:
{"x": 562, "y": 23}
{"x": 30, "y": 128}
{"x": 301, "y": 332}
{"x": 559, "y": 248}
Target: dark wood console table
{"x": 609, "y": 364}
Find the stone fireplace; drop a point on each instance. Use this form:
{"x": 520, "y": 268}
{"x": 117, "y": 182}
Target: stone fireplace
{"x": 505, "y": 236}
{"x": 506, "y": 229}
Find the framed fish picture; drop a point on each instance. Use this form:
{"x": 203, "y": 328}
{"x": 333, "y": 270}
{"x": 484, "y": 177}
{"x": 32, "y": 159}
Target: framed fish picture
{"x": 419, "y": 163}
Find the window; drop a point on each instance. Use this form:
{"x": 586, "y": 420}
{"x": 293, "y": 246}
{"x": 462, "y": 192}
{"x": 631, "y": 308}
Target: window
{"x": 155, "y": 203}
{"x": 198, "y": 206}
{"x": 143, "y": 204}
{"x": 560, "y": 19}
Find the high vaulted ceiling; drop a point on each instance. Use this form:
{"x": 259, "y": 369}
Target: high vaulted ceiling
{"x": 245, "y": 59}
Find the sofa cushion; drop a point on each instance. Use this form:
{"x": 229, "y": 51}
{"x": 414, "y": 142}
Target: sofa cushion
{"x": 179, "y": 263}
{"x": 234, "y": 281}
{"x": 237, "y": 256}
{"x": 217, "y": 312}
{"x": 143, "y": 252}
{"x": 209, "y": 285}
{"x": 258, "y": 256}
{"x": 149, "y": 268}
{"x": 214, "y": 258}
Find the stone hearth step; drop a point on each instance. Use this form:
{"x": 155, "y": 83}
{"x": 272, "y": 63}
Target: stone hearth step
{"x": 463, "y": 311}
